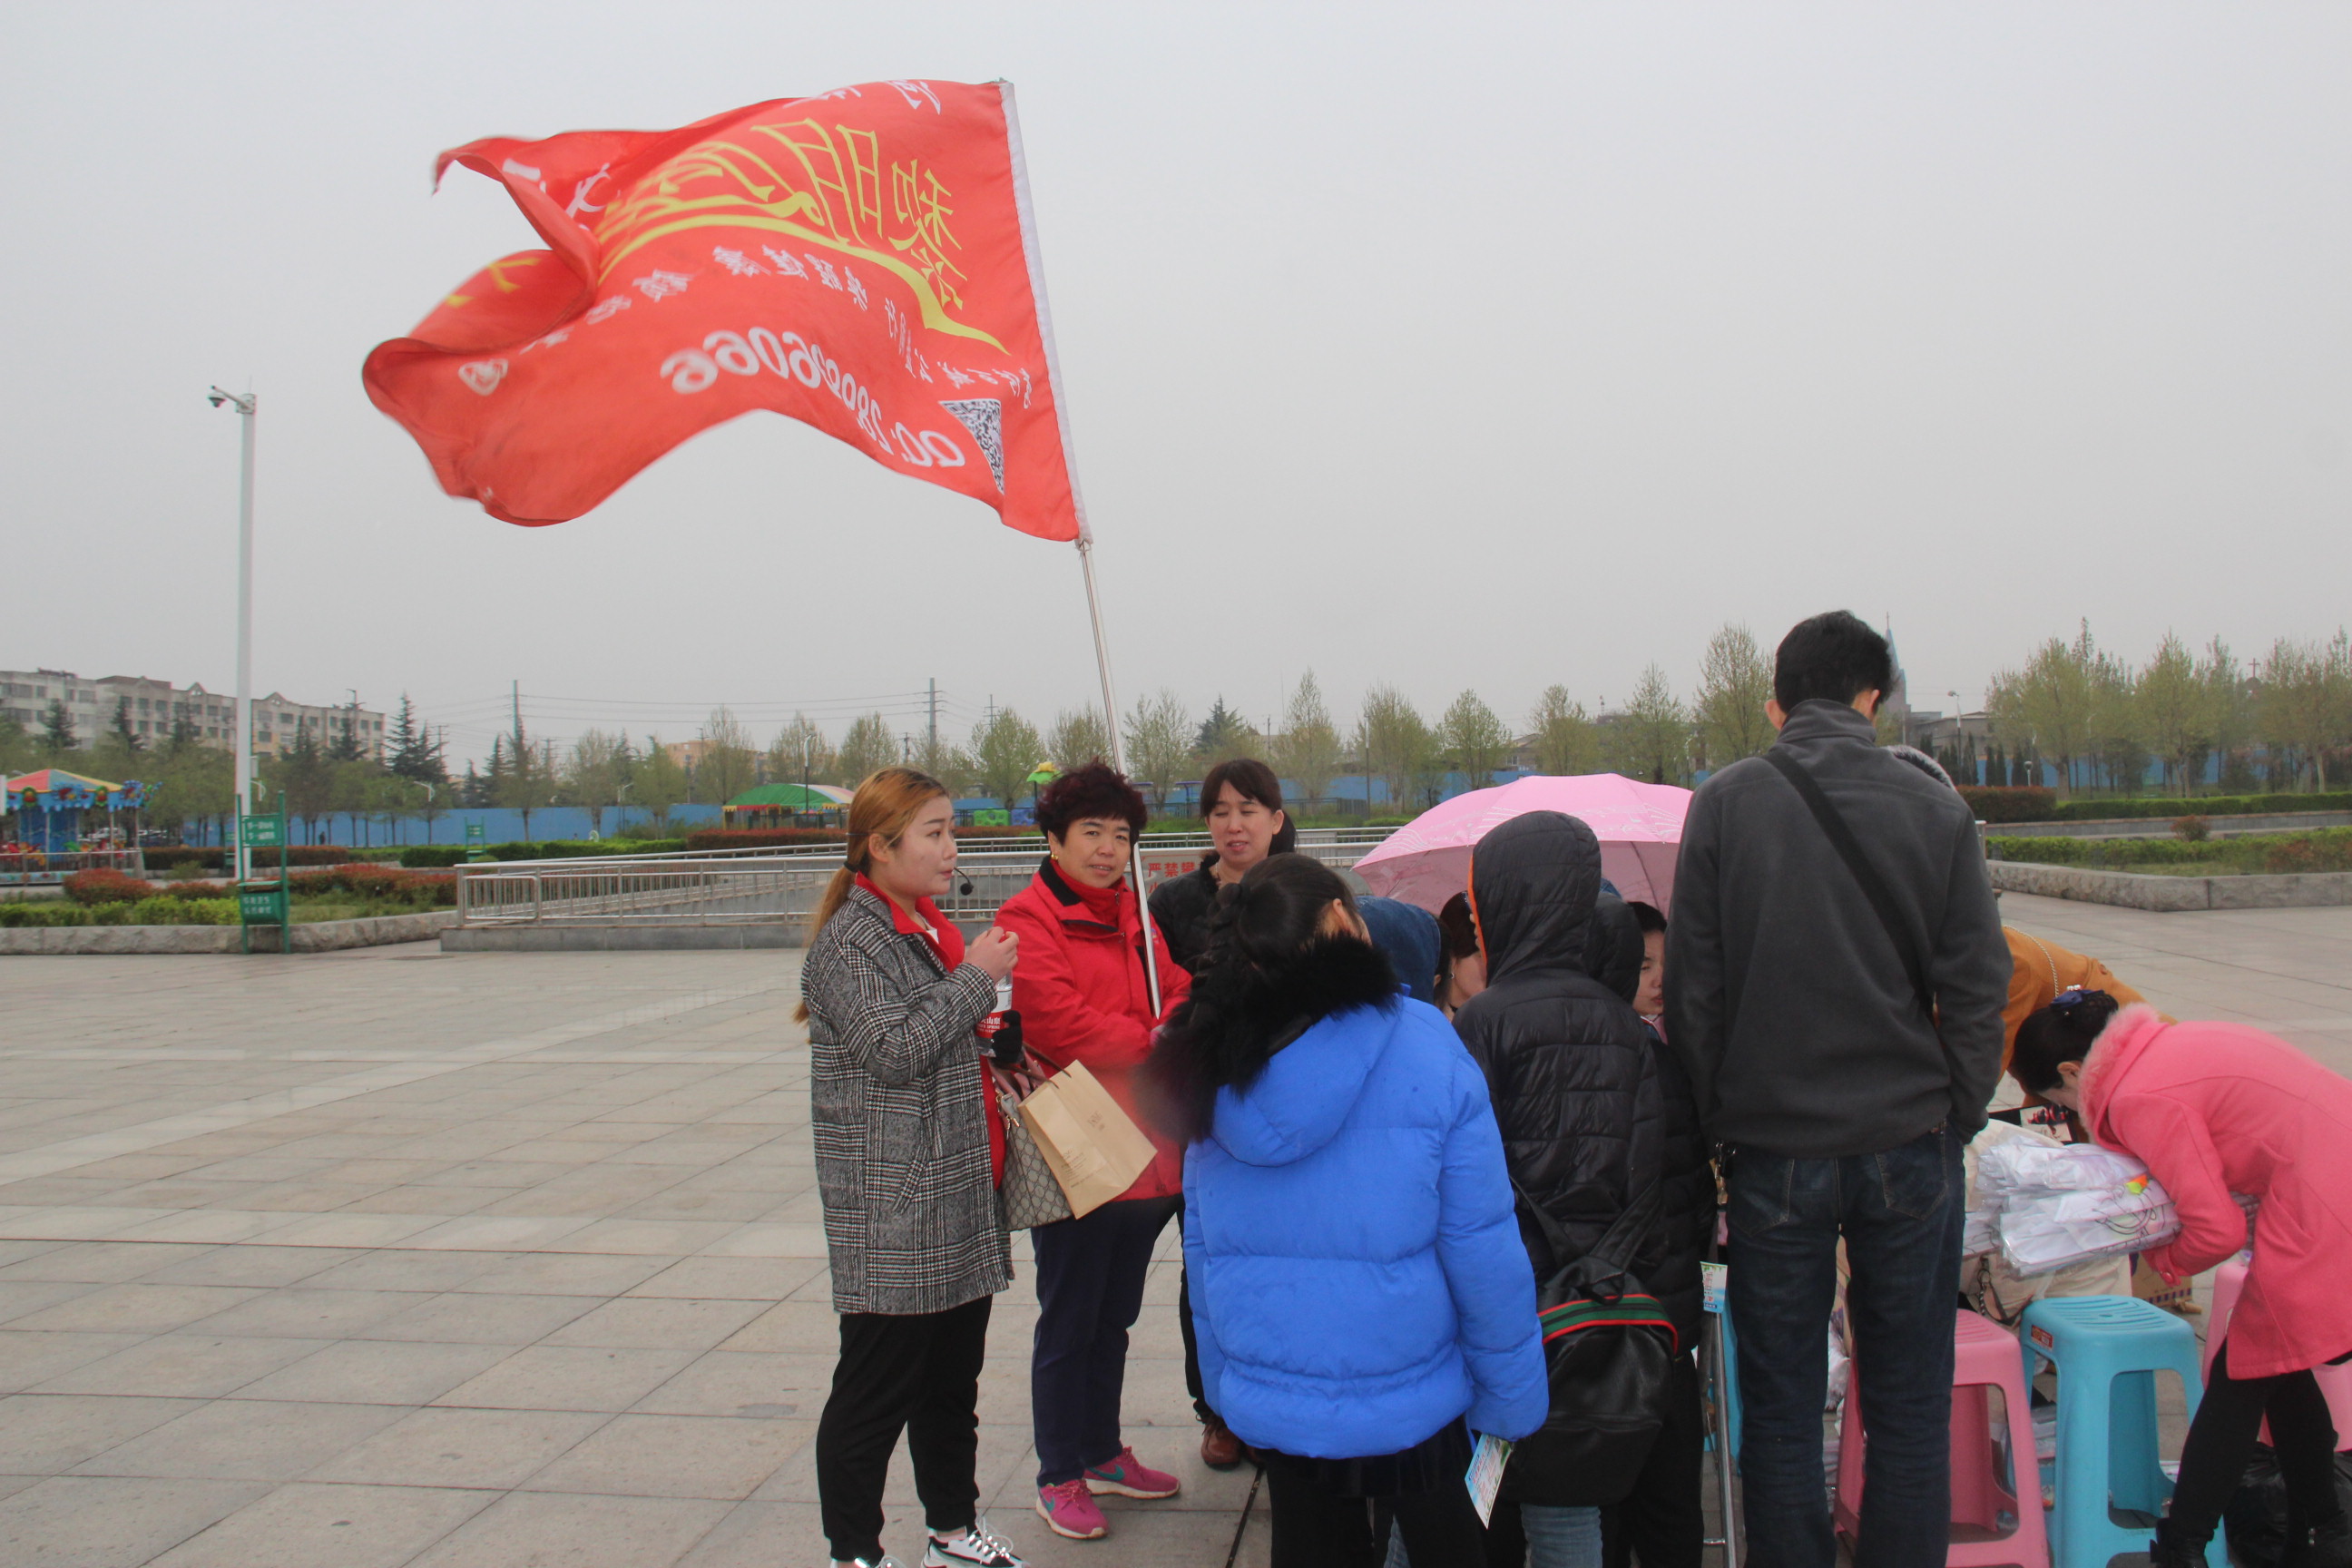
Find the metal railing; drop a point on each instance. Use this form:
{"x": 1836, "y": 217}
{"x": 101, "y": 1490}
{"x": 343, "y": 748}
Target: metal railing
{"x": 34, "y": 868}
{"x": 730, "y": 887}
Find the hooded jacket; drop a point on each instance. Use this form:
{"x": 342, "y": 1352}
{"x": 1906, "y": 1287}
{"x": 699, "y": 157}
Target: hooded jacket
{"x": 1407, "y": 935}
{"x": 1786, "y": 998}
{"x": 2216, "y": 1108}
{"x": 1571, "y": 1068}
{"x": 1686, "y": 1213}
{"x": 1356, "y": 1281}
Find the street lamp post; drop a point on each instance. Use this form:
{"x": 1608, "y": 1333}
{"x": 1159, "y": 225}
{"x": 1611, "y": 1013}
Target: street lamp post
{"x": 245, "y": 406}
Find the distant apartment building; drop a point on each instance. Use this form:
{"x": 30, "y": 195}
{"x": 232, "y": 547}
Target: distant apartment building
{"x": 152, "y": 707}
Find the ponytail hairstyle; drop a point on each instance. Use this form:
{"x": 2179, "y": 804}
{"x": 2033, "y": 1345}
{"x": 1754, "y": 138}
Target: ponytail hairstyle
{"x": 2064, "y": 1031}
{"x": 1270, "y": 972}
{"x": 883, "y": 809}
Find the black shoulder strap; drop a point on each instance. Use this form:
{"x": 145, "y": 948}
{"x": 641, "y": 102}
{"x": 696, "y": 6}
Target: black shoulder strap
{"x": 1614, "y": 1250}
{"x": 1874, "y": 886}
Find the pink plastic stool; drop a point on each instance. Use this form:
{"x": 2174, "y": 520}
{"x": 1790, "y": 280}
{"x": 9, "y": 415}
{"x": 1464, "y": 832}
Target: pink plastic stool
{"x": 2334, "y": 1382}
{"x": 1984, "y": 1357}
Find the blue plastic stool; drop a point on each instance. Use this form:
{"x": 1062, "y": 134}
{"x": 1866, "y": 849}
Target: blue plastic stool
{"x": 2108, "y": 1349}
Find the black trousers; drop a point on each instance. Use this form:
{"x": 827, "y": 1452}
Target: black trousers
{"x": 2221, "y": 1439}
{"x": 1090, "y": 1277}
{"x": 1662, "y": 1520}
{"x": 1315, "y": 1528}
{"x": 920, "y": 1373}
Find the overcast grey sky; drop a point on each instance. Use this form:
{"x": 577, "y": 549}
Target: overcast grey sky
{"x": 1452, "y": 346}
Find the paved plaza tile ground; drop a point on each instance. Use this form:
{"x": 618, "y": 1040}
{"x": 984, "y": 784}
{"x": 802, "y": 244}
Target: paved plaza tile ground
{"x": 493, "y": 1260}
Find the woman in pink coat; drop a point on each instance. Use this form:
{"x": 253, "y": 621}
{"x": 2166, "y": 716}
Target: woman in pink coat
{"x": 2214, "y": 1110}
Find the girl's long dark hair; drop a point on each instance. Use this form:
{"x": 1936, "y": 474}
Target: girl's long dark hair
{"x": 1268, "y": 967}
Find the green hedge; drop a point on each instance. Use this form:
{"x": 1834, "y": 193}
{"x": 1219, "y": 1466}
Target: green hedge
{"x": 2094, "y": 810}
{"x": 437, "y": 856}
{"x": 2327, "y": 849}
{"x": 2005, "y": 803}
{"x": 172, "y": 856}
{"x": 2037, "y": 804}
{"x": 814, "y": 838}
{"x": 156, "y": 912}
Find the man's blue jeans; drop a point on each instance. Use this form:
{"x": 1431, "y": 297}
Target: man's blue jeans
{"x": 1900, "y": 1213}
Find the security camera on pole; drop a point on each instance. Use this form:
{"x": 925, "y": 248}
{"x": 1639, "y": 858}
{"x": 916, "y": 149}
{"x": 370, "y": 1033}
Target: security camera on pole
{"x": 244, "y": 405}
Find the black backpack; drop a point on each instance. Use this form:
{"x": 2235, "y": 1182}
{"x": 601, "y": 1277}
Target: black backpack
{"x": 1607, "y": 1346}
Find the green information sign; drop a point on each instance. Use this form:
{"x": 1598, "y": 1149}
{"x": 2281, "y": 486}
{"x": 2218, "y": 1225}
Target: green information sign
{"x": 259, "y": 902}
{"x": 999, "y": 818}
{"x": 262, "y": 906}
{"x": 474, "y": 833}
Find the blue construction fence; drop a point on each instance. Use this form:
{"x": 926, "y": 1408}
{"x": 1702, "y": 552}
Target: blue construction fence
{"x": 574, "y": 823}
{"x": 501, "y": 824}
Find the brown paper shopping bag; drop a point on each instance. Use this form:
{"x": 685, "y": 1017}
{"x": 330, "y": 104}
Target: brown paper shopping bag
{"x": 1090, "y": 1143}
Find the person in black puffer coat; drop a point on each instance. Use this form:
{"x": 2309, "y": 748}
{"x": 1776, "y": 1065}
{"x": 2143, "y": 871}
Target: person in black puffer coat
{"x": 1574, "y": 1077}
{"x": 1660, "y": 1520}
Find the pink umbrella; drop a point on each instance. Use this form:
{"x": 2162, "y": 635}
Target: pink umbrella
{"x": 1639, "y": 827}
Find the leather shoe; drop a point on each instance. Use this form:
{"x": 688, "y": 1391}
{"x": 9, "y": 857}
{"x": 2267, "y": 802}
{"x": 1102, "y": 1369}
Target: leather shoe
{"x": 1219, "y": 1449}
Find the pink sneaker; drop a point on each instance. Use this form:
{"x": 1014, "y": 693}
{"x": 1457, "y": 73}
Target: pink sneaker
{"x": 1070, "y": 1510}
{"x": 1127, "y": 1475}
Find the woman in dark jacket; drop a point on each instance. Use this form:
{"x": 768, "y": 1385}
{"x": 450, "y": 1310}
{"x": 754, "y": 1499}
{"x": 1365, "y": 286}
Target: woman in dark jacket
{"x": 1575, "y": 1082}
{"x": 1241, "y": 801}
{"x": 1660, "y": 1520}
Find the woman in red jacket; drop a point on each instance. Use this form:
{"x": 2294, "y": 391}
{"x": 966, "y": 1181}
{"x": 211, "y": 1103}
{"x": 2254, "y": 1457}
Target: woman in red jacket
{"x": 1085, "y": 995}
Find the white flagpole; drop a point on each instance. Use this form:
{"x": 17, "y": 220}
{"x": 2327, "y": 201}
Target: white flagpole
{"x": 1031, "y": 256}
{"x": 242, "y": 867}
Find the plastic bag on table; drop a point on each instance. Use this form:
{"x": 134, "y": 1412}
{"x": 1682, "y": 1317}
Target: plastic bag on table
{"x": 2035, "y": 1241}
{"x": 1981, "y": 1234}
{"x": 2025, "y": 1166}
{"x": 2101, "y": 1204}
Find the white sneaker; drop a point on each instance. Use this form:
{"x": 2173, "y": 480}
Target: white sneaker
{"x": 976, "y": 1546}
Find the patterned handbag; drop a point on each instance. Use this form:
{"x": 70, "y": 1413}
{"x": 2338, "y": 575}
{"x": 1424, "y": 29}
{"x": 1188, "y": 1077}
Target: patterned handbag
{"x": 1030, "y": 1196}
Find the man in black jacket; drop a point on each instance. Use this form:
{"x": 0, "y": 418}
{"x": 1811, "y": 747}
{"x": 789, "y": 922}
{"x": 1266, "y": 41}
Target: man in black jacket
{"x": 1800, "y": 1006}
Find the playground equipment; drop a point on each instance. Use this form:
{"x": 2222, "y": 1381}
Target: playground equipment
{"x": 55, "y": 836}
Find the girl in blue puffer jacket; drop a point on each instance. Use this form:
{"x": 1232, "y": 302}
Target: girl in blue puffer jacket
{"x": 1362, "y": 1297}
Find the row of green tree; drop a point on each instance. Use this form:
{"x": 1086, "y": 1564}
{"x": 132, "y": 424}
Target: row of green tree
{"x": 2198, "y": 720}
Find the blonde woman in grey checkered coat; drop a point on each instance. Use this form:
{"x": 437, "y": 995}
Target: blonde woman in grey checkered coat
{"x": 907, "y": 1161}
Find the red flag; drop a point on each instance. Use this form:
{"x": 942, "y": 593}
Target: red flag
{"x": 862, "y": 261}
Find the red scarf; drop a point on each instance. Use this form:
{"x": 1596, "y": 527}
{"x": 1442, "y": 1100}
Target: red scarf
{"x": 946, "y": 944}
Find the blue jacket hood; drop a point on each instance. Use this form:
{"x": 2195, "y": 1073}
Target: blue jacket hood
{"x": 1302, "y": 1099}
